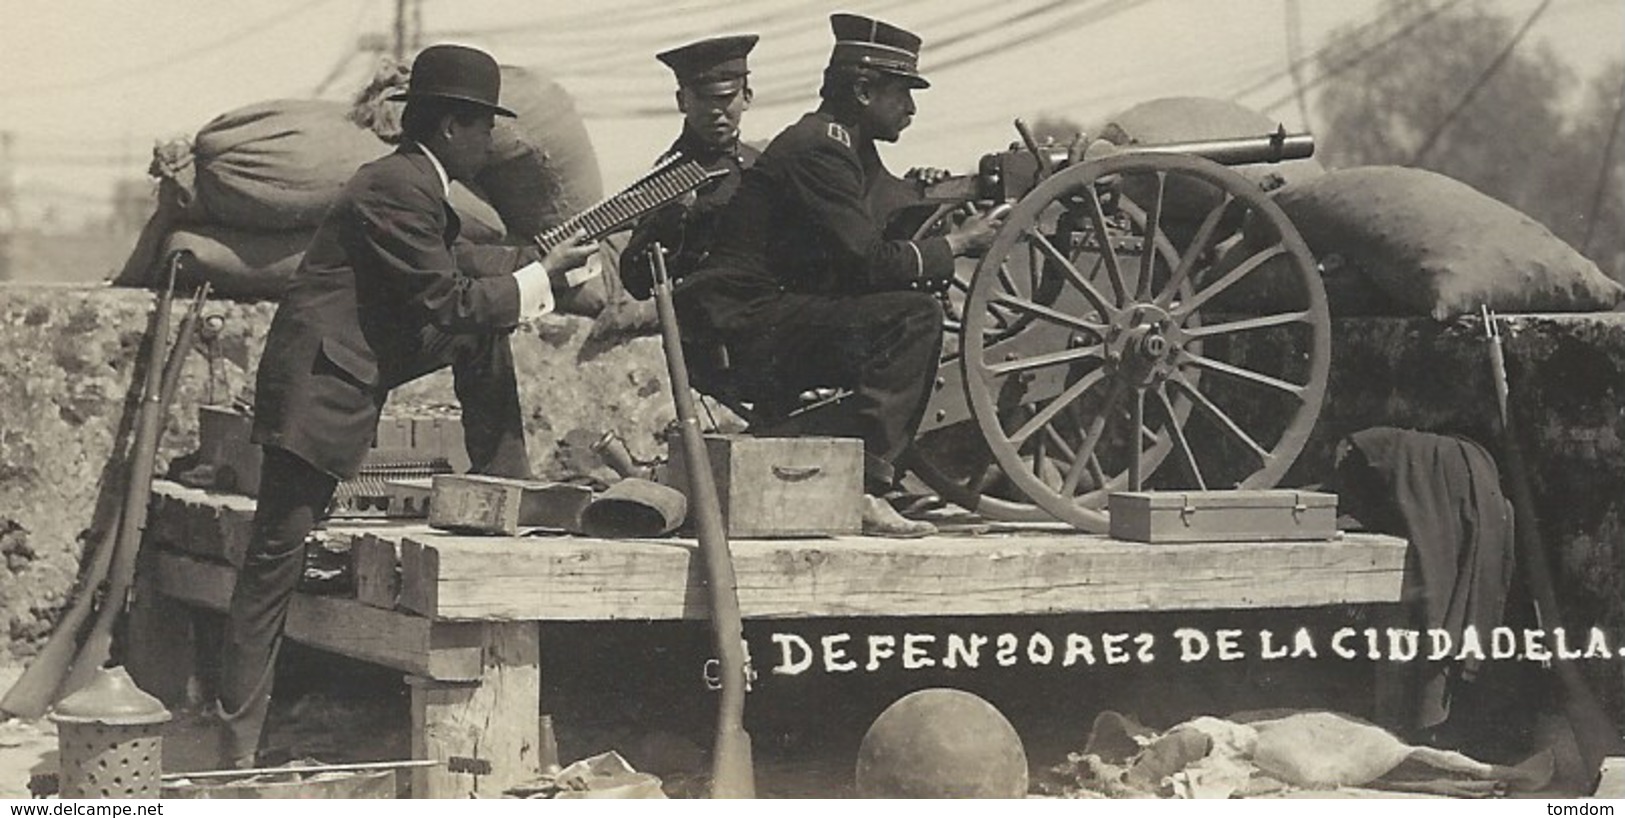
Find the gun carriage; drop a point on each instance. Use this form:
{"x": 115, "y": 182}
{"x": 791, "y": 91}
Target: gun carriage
{"x": 1094, "y": 347}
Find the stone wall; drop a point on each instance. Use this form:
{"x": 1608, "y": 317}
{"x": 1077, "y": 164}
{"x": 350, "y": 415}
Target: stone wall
{"x": 66, "y": 360}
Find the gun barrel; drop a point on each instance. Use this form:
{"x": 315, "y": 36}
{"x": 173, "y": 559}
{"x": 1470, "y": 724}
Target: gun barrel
{"x": 1249, "y": 150}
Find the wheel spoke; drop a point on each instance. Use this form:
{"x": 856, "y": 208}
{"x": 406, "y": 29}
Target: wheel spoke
{"x": 1059, "y": 442}
{"x": 1092, "y": 438}
{"x": 1064, "y": 356}
{"x": 1242, "y": 270}
{"x": 1180, "y": 442}
{"x": 1148, "y": 255}
{"x": 1136, "y": 422}
{"x": 1114, "y": 271}
{"x": 1051, "y": 409}
{"x": 1246, "y": 324}
{"x": 1295, "y": 390}
{"x": 1219, "y": 415}
{"x": 1193, "y": 253}
{"x": 1095, "y": 296}
{"x": 1052, "y": 314}
{"x": 1005, "y": 278}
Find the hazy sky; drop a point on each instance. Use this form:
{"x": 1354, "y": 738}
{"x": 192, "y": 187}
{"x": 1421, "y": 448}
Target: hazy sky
{"x": 87, "y": 86}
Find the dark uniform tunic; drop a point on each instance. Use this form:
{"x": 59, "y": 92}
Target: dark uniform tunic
{"x": 804, "y": 290}
{"x": 685, "y": 228}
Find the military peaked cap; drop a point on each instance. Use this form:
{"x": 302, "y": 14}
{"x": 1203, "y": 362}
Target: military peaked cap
{"x": 869, "y": 43}
{"x": 719, "y": 61}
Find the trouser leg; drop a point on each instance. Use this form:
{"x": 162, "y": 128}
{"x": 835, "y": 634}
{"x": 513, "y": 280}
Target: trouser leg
{"x": 487, "y": 390}
{"x": 493, "y": 422}
{"x": 293, "y": 496}
{"x": 884, "y": 347}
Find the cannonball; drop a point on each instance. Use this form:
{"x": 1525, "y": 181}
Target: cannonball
{"x": 941, "y": 743}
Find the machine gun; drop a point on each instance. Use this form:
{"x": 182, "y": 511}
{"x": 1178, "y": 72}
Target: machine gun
{"x": 1146, "y": 318}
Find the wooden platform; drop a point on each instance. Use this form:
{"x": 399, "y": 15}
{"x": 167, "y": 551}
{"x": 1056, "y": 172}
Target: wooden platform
{"x": 460, "y": 615}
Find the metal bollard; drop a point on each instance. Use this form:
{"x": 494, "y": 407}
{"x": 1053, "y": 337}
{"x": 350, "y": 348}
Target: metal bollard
{"x": 110, "y": 739}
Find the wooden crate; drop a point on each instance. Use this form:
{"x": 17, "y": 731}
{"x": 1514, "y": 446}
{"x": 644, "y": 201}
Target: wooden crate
{"x": 501, "y": 505}
{"x": 1223, "y": 516}
{"x": 782, "y": 486}
{"x": 223, "y": 442}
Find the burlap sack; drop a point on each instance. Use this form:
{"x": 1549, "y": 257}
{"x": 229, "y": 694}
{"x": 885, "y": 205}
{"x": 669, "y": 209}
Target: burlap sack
{"x": 271, "y": 166}
{"x": 1435, "y": 246}
{"x": 245, "y": 265}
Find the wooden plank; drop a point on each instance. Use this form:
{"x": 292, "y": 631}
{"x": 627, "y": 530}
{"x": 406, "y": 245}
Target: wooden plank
{"x": 577, "y": 578}
{"x": 207, "y": 524}
{"x": 482, "y": 504}
{"x": 494, "y": 720}
{"x": 411, "y": 644}
{"x": 377, "y": 572}
{"x": 420, "y": 569}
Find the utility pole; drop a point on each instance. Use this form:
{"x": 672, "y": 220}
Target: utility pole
{"x": 408, "y": 28}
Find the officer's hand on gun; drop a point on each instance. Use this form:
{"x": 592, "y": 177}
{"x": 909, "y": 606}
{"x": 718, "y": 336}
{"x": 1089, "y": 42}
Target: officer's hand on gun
{"x": 976, "y": 232}
{"x": 927, "y": 177}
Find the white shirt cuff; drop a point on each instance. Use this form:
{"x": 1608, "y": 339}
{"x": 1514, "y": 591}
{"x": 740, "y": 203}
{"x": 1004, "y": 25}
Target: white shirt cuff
{"x": 535, "y": 291}
{"x": 586, "y": 272}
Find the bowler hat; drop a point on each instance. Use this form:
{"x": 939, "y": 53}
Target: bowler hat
{"x": 715, "y": 65}
{"x": 869, "y": 43}
{"x": 456, "y": 72}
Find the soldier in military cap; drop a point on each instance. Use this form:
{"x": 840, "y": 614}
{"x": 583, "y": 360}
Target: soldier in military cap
{"x": 802, "y": 288}
{"x": 713, "y": 93}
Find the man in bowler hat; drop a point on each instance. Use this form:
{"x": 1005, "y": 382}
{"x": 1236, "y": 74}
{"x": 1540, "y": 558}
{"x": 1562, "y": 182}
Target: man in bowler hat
{"x": 380, "y": 299}
{"x": 803, "y": 289}
{"x": 713, "y": 94}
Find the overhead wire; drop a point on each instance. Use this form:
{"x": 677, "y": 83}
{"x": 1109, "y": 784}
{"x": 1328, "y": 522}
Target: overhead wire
{"x": 800, "y": 90}
{"x": 1364, "y": 54}
{"x": 152, "y": 66}
{"x": 349, "y": 53}
{"x": 1478, "y": 84}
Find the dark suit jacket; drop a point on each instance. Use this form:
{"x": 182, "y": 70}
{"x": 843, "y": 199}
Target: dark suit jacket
{"x": 378, "y": 286}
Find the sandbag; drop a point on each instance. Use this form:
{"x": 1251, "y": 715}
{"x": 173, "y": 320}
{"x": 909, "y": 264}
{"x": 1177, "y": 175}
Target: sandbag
{"x": 542, "y": 167}
{"x": 271, "y": 166}
{"x": 1435, "y": 246}
{"x": 245, "y": 265}
{"x": 1188, "y": 119}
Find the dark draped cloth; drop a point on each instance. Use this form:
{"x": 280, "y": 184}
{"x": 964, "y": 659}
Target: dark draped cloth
{"x": 1443, "y": 494}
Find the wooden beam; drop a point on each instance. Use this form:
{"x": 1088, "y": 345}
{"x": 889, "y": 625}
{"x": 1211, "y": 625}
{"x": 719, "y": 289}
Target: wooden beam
{"x": 447, "y": 651}
{"x": 495, "y": 720}
{"x": 576, "y": 578}
{"x": 377, "y": 571}
{"x": 210, "y": 525}
{"x": 420, "y": 570}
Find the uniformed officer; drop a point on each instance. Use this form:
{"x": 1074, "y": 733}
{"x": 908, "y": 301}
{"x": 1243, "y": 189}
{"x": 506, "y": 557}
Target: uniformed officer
{"x": 713, "y": 93}
{"x": 802, "y": 288}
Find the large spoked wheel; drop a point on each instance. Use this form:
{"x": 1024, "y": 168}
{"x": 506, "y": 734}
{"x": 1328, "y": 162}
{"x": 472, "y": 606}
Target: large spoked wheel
{"x": 954, "y": 460}
{"x": 1137, "y": 307}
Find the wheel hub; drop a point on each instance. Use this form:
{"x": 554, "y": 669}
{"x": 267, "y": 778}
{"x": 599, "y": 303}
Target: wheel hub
{"x": 1142, "y": 344}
